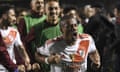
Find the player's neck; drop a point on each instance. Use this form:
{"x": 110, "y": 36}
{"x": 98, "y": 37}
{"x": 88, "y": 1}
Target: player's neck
{"x": 70, "y": 42}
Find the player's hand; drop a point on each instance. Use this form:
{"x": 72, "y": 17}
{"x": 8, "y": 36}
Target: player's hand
{"x": 98, "y": 65}
{"x": 28, "y": 67}
{"x": 54, "y": 59}
{"x": 21, "y": 68}
{"x": 27, "y": 61}
{"x": 51, "y": 59}
{"x": 57, "y": 58}
{"x": 36, "y": 67}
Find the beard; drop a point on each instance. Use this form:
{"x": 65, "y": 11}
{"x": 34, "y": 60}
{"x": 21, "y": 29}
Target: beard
{"x": 5, "y": 23}
{"x": 14, "y": 22}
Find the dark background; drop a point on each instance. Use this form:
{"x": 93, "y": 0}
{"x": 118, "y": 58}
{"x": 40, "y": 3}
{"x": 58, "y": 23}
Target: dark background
{"x": 25, "y": 3}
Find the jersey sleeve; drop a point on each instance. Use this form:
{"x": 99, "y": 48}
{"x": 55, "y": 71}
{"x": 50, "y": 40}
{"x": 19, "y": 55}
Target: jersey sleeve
{"x": 92, "y": 46}
{"x": 46, "y": 48}
{"x": 43, "y": 50}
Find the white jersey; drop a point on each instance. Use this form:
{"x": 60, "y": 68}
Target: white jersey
{"x": 77, "y": 53}
{"x": 11, "y": 37}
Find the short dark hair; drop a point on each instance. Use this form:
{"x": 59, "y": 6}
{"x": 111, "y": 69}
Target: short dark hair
{"x": 5, "y": 8}
{"x": 46, "y": 1}
{"x": 97, "y": 5}
{"x": 69, "y": 8}
{"x": 118, "y": 7}
{"x": 66, "y": 17}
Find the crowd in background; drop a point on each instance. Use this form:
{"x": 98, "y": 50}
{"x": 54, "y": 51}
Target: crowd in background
{"x": 28, "y": 29}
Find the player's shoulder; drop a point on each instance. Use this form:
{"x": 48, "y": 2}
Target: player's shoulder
{"x": 53, "y": 40}
{"x": 13, "y": 29}
{"x": 27, "y": 16}
{"x": 84, "y": 35}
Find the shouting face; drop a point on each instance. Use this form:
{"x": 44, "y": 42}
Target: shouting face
{"x": 69, "y": 28}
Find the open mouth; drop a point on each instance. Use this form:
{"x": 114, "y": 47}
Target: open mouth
{"x": 74, "y": 33}
{"x": 39, "y": 8}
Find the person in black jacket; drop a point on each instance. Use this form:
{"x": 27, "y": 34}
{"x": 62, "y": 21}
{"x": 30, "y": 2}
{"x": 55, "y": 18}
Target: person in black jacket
{"x": 116, "y": 44}
{"x": 103, "y": 33}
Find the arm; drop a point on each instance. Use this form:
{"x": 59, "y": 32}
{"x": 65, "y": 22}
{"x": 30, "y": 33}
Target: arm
{"x": 52, "y": 59}
{"x": 8, "y": 63}
{"x": 40, "y": 58}
{"x": 26, "y": 38}
{"x": 43, "y": 54}
{"x": 95, "y": 57}
{"x": 93, "y": 53}
{"x": 24, "y": 54}
{"x": 5, "y": 58}
{"x": 21, "y": 49}
{"x": 30, "y": 36}
{"x": 22, "y": 28}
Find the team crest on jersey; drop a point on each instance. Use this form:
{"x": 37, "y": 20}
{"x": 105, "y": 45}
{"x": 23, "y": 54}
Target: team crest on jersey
{"x": 10, "y": 37}
{"x": 80, "y": 54}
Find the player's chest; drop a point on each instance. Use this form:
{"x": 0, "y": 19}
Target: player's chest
{"x": 80, "y": 47}
{"x": 8, "y": 36}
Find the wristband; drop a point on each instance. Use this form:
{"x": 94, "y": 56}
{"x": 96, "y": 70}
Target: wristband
{"x": 16, "y": 70}
{"x": 46, "y": 60}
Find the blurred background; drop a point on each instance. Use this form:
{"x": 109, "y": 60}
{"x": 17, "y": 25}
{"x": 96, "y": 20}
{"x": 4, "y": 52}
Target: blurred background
{"x": 25, "y": 3}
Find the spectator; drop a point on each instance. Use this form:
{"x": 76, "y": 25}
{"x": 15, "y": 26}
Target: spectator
{"x": 36, "y": 16}
{"x": 102, "y": 30}
{"x": 21, "y": 12}
{"x": 116, "y": 44}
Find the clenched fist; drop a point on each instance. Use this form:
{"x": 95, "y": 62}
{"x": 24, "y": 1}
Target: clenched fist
{"x": 21, "y": 68}
{"x": 55, "y": 58}
{"x": 36, "y": 67}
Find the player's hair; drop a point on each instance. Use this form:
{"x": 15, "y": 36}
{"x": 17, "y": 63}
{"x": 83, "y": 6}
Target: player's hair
{"x": 46, "y": 1}
{"x": 64, "y": 18}
{"x": 69, "y": 8}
